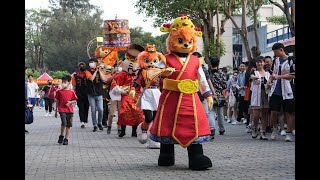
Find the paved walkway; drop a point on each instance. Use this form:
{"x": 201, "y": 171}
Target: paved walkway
{"x": 99, "y": 156}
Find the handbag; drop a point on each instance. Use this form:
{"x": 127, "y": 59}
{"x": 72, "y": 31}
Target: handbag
{"x": 28, "y": 116}
{"x": 46, "y": 96}
{"x": 221, "y": 101}
{"x": 232, "y": 99}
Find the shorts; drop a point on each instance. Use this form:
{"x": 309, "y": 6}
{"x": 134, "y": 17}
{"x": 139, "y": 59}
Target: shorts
{"x": 276, "y": 102}
{"x": 66, "y": 119}
{"x": 33, "y": 101}
{"x": 264, "y": 104}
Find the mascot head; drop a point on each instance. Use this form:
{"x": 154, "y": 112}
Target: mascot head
{"x": 106, "y": 56}
{"x": 149, "y": 57}
{"x": 130, "y": 63}
{"x": 183, "y": 35}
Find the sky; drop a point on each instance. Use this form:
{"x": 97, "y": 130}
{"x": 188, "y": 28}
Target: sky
{"x": 123, "y": 9}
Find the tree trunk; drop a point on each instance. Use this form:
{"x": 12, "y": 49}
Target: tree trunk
{"x": 285, "y": 10}
{"x": 218, "y": 45}
{"x": 255, "y": 24}
{"x": 289, "y": 16}
{"x": 208, "y": 33}
{"x": 244, "y": 32}
{"x": 293, "y": 16}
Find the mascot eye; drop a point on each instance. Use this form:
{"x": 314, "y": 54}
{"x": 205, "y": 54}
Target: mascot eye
{"x": 190, "y": 42}
{"x": 146, "y": 60}
{"x": 180, "y": 41}
{"x": 155, "y": 61}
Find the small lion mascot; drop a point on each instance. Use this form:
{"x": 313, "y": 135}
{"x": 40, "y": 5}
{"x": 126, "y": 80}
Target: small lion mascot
{"x": 149, "y": 78}
{"x": 180, "y": 117}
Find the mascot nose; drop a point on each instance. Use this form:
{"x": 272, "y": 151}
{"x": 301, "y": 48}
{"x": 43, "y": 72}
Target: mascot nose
{"x": 185, "y": 45}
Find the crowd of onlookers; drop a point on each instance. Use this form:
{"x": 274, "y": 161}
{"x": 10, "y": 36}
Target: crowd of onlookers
{"x": 259, "y": 93}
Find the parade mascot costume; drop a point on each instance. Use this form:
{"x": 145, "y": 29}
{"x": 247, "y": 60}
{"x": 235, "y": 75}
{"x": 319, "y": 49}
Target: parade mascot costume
{"x": 107, "y": 56}
{"x": 130, "y": 114}
{"x": 180, "y": 117}
{"x": 149, "y": 78}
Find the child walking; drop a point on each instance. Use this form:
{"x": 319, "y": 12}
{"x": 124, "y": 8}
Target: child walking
{"x": 65, "y": 98}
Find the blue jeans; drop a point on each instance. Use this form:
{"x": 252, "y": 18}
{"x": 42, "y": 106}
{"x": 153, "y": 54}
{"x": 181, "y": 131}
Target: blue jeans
{"x": 212, "y": 116}
{"x": 96, "y": 103}
{"x": 41, "y": 102}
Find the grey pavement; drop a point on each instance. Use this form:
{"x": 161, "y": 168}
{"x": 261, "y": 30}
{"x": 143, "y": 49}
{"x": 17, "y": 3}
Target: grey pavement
{"x": 99, "y": 156}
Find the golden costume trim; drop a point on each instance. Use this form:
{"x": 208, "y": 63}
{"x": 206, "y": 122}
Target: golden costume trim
{"x": 186, "y": 86}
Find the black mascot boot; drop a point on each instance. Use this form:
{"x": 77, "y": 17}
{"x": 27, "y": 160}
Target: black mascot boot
{"x": 123, "y": 131}
{"x": 134, "y": 131}
{"x": 198, "y": 161}
{"x": 166, "y": 157}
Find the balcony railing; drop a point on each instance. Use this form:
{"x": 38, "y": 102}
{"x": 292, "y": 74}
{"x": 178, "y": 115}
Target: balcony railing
{"x": 278, "y": 35}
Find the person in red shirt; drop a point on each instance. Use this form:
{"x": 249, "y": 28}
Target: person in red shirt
{"x": 65, "y": 98}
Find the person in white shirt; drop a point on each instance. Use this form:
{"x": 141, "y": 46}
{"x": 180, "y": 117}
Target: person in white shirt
{"x": 282, "y": 91}
{"x": 32, "y": 90}
{"x": 259, "y": 98}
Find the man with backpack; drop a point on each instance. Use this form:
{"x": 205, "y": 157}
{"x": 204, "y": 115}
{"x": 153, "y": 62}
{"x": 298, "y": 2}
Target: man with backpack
{"x": 282, "y": 89}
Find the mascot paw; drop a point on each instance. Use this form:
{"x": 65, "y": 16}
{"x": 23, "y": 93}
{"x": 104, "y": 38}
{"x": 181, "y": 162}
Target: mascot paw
{"x": 142, "y": 135}
{"x": 132, "y": 93}
{"x": 168, "y": 71}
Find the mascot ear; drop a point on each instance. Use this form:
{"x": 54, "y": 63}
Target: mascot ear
{"x": 174, "y": 29}
{"x": 162, "y": 58}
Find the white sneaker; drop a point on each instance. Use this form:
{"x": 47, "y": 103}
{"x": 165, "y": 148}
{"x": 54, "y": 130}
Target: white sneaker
{"x": 47, "y": 114}
{"x": 248, "y": 129}
{"x": 235, "y": 123}
{"x": 293, "y": 132}
{"x": 244, "y": 121}
{"x": 141, "y": 135}
{"x": 288, "y": 138}
{"x": 254, "y": 133}
{"x": 228, "y": 121}
{"x": 50, "y": 115}
{"x": 283, "y": 133}
{"x": 153, "y": 145}
{"x": 274, "y": 134}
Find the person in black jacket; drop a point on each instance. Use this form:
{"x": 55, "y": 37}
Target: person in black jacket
{"x": 95, "y": 79}
{"x": 80, "y": 86}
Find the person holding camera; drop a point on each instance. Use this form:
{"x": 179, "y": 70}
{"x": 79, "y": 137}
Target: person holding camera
{"x": 95, "y": 77}
{"x": 80, "y": 86}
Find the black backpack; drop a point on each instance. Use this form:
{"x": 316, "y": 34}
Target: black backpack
{"x": 291, "y": 61}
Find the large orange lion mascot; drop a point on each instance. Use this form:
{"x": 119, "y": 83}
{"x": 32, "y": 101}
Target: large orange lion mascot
{"x": 180, "y": 117}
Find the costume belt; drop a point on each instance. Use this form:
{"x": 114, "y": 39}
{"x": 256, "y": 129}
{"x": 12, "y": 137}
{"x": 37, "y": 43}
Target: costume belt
{"x": 186, "y": 86}
{"x": 152, "y": 87}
